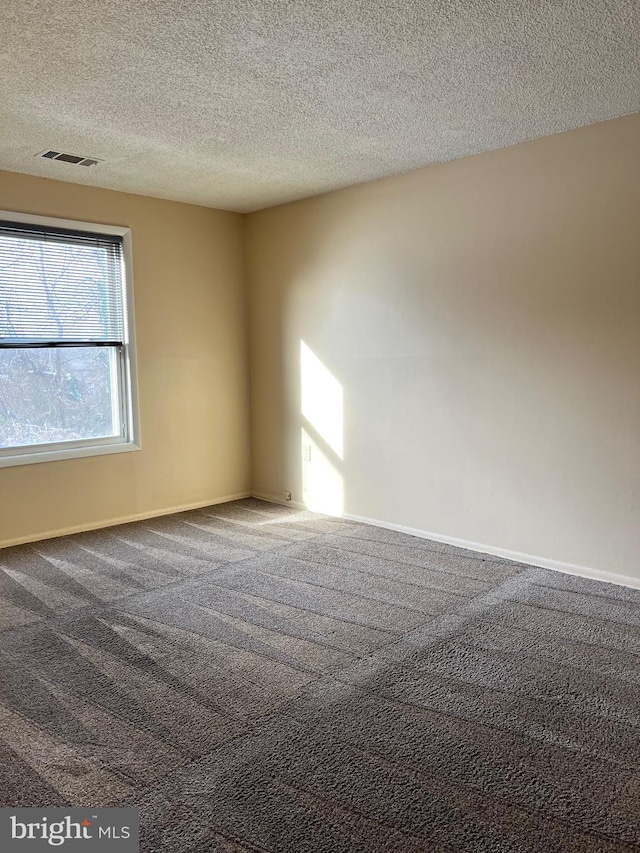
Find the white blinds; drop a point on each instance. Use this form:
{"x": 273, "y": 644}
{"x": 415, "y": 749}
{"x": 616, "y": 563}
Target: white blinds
{"x": 59, "y": 286}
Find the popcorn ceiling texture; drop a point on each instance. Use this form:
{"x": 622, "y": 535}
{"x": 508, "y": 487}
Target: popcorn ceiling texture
{"x": 247, "y": 104}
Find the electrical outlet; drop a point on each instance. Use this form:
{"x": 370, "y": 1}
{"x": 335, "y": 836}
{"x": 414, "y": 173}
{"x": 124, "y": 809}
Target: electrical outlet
{"x": 306, "y": 453}
{"x": 287, "y": 496}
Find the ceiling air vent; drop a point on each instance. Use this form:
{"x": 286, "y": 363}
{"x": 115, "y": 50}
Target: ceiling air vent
{"x": 68, "y": 158}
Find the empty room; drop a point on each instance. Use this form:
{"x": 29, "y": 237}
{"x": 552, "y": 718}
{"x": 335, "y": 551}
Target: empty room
{"x": 320, "y": 426}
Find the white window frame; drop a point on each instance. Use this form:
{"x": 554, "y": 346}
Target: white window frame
{"x": 128, "y": 392}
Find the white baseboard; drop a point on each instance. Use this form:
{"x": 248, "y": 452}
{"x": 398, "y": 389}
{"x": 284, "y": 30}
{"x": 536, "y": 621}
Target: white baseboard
{"x": 515, "y": 556}
{"x": 112, "y": 522}
{"x": 274, "y": 499}
{"x": 494, "y": 550}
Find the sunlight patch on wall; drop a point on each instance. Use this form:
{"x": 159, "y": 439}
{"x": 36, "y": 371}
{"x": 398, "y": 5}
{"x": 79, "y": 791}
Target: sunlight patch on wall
{"x": 322, "y": 482}
{"x": 321, "y": 399}
{"x": 322, "y": 439}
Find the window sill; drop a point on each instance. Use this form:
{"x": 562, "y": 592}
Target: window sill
{"x": 31, "y": 456}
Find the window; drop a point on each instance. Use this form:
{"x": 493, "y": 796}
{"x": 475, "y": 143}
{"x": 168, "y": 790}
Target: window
{"x": 67, "y": 357}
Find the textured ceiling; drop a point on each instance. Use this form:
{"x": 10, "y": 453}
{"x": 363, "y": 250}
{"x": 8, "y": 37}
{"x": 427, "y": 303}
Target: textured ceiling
{"x": 251, "y": 103}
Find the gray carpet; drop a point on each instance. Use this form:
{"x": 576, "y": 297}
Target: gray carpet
{"x": 259, "y": 679}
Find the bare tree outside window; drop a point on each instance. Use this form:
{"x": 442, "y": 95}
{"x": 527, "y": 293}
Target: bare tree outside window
{"x": 60, "y": 359}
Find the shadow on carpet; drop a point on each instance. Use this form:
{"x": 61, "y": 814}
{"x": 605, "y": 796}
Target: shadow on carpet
{"x": 254, "y": 678}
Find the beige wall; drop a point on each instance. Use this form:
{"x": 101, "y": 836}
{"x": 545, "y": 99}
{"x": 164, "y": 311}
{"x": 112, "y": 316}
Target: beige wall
{"x": 471, "y": 356}
{"x": 476, "y": 327}
{"x": 190, "y": 320}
